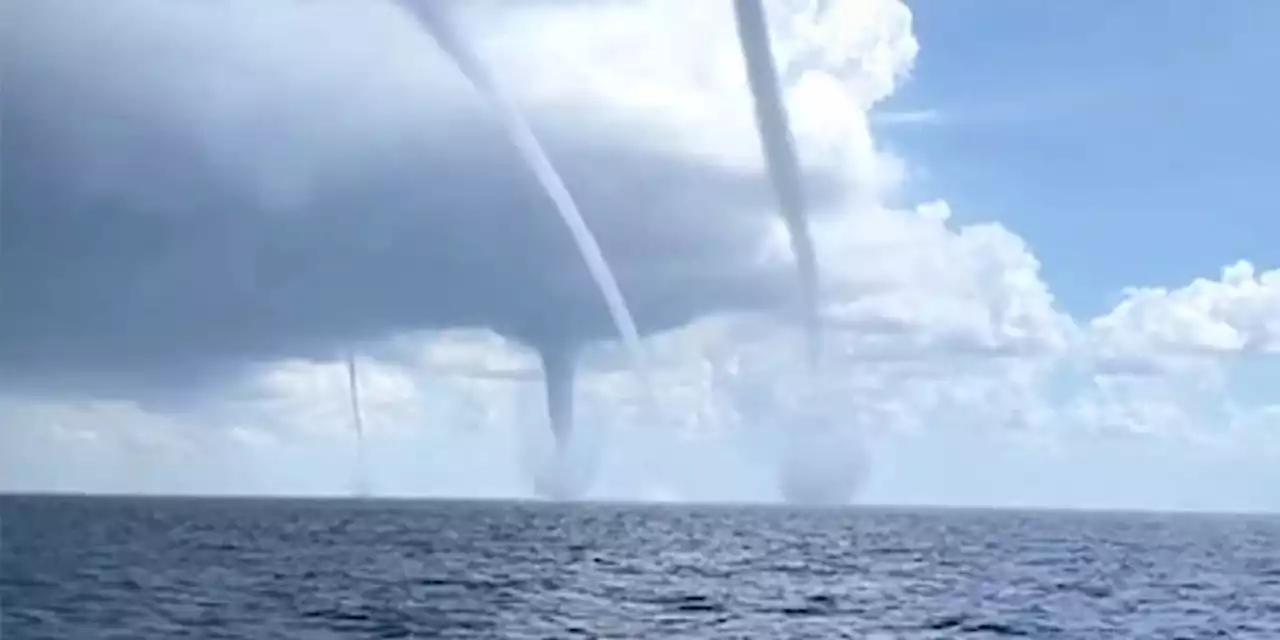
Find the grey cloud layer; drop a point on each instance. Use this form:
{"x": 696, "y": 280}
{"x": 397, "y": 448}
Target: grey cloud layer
{"x": 177, "y": 203}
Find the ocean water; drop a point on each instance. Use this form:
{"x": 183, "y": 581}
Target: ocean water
{"x": 89, "y": 568}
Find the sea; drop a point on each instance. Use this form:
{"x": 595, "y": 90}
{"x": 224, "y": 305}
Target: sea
{"x": 87, "y": 568}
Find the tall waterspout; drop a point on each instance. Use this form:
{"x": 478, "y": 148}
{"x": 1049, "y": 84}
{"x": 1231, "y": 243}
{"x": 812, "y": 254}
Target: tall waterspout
{"x": 780, "y": 156}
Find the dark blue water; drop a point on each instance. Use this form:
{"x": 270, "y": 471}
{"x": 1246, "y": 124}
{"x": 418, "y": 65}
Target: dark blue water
{"x": 82, "y": 569}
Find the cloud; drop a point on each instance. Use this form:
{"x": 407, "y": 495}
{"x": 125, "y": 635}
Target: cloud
{"x": 190, "y": 187}
{"x": 908, "y": 117}
{"x": 362, "y": 196}
{"x": 1239, "y": 312}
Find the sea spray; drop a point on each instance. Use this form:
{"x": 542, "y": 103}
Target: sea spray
{"x": 823, "y": 461}
{"x": 559, "y": 468}
{"x": 801, "y": 430}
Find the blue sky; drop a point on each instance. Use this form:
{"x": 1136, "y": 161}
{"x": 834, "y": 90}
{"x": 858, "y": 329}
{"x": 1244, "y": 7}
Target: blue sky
{"x": 1129, "y": 143}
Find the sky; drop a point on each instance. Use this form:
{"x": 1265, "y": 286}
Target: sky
{"x": 1041, "y": 227}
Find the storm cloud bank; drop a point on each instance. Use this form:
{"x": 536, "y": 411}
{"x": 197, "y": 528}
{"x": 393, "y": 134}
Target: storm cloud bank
{"x": 192, "y": 187}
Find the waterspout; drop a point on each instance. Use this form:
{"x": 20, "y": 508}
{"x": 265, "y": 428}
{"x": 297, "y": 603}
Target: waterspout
{"x": 780, "y": 156}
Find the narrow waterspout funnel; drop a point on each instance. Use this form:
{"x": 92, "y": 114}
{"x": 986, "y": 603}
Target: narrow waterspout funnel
{"x": 559, "y": 368}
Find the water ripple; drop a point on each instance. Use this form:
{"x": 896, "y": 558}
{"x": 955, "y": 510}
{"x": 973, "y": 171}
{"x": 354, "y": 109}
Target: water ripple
{"x": 167, "y": 568}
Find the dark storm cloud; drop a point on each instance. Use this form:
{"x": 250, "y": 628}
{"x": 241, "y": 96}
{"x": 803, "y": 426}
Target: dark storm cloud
{"x": 177, "y": 203}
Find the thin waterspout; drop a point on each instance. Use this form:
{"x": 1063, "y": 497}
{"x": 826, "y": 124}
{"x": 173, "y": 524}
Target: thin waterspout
{"x": 357, "y": 421}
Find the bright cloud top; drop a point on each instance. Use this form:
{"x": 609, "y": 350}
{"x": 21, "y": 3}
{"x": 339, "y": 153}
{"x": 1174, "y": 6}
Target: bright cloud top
{"x": 935, "y": 327}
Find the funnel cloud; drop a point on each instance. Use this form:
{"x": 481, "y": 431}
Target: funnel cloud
{"x": 779, "y": 149}
{"x": 155, "y": 242}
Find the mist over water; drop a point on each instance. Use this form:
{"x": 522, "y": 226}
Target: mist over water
{"x": 560, "y": 467}
{"x": 821, "y": 464}
{"x": 815, "y": 449}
